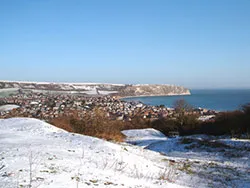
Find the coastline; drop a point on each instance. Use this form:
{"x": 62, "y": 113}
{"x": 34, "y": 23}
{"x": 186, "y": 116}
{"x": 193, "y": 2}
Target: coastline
{"x": 216, "y": 100}
{"x": 169, "y": 95}
{"x": 164, "y": 95}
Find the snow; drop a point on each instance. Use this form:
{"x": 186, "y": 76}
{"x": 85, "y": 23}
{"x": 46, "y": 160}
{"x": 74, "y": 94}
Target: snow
{"x": 65, "y": 87}
{"x": 107, "y": 92}
{"x": 34, "y": 103}
{"x": 67, "y": 83}
{"x": 208, "y": 161}
{"x": 206, "y": 117}
{"x": 8, "y": 107}
{"x": 61, "y": 159}
{"x": 143, "y": 137}
{"x": 8, "y": 89}
{"x": 86, "y": 87}
{"x": 91, "y": 92}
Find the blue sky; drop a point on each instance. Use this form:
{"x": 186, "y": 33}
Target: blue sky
{"x": 194, "y": 43}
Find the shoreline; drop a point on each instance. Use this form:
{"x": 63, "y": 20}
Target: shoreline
{"x": 168, "y": 95}
{"x": 141, "y": 96}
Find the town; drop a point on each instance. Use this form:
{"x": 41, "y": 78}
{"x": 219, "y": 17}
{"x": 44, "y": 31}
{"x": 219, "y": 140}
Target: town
{"x": 47, "y": 106}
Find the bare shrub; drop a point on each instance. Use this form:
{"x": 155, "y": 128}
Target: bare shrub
{"x": 168, "y": 173}
{"x": 94, "y": 123}
{"x": 33, "y": 161}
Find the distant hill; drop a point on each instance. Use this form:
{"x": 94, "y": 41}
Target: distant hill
{"x": 121, "y": 90}
{"x": 153, "y": 90}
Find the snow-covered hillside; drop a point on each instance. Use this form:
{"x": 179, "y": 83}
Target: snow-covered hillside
{"x": 34, "y": 152}
{"x": 143, "y": 137}
{"x": 209, "y": 161}
{"x": 93, "y": 88}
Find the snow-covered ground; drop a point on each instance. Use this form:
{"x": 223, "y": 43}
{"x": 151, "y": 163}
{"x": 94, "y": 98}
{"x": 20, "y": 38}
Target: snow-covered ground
{"x": 7, "y": 91}
{"x": 34, "y": 152}
{"x": 210, "y": 161}
{"x": 206, "y": 117}
{"x": 8, "y": 107}
{"x": 107, "y": 92}
{"x": 143, "y": 137}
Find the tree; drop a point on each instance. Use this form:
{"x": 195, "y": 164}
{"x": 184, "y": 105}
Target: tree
{"x": 246, "y": 109}
{"x": 246, "y": 118}
{"x": 182, "y": 107}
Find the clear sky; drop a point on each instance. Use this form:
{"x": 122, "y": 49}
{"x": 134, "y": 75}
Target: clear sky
{"x": 193, "y": 43}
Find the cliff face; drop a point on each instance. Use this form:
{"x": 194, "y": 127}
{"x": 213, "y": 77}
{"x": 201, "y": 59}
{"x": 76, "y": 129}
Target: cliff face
{"x": 153, "y": 90}
{"x": 97, "y": 89}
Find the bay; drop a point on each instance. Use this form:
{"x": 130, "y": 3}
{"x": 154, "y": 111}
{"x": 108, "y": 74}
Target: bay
{"x": 213, "y": 99}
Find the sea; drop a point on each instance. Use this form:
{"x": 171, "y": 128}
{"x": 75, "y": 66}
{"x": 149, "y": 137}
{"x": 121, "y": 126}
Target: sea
{"x": 212, "y": 99}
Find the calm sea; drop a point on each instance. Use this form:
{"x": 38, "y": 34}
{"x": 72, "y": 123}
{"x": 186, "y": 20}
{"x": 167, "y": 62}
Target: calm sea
{"x": 221, "y": 100}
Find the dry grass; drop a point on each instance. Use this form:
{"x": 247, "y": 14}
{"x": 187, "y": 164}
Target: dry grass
{"x": 63, "y": 123}
{"x": 93, "y": 124}
{"x": 96, "y": 123}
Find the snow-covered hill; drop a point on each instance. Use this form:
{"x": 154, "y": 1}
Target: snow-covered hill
{"x": 93, "y": 88}
{"x": 34, "y": 152}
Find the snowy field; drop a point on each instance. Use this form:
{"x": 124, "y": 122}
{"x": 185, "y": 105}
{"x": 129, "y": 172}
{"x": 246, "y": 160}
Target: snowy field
{"x": 35, "y": 153}
{"x": 6, "y": 92}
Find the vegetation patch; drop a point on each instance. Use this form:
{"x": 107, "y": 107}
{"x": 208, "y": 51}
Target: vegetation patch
{"x": 186, "y": 167}
{"x": 183, "y": 121}
{"x": 204, "y": 144}
{"x": 96, "y": 123}
{"x": 187, "y": 140}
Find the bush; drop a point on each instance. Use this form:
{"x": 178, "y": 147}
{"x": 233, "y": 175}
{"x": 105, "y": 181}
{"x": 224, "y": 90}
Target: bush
{"x": 93, "y": 124}
{"x": 63, "y": 123}
{"x": 235, "y": 123}
{"x": 169, "y": 125}
{"x": 96, "y": 123}
{"x": 165, "y": 125}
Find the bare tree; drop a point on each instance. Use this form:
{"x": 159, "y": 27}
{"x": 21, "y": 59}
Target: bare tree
{"x": 181, "y": 108}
